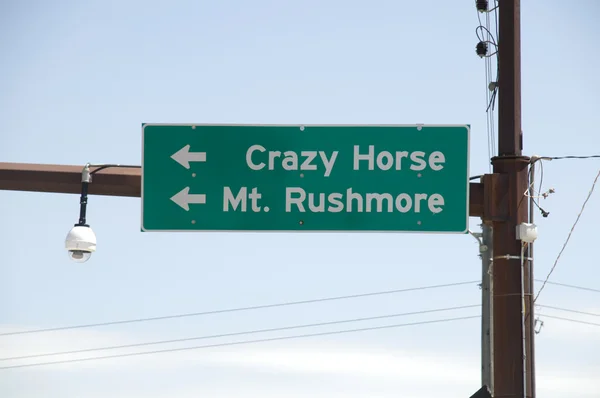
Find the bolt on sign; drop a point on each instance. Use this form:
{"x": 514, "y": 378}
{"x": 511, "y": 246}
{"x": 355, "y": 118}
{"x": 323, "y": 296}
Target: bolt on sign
{"x": 318, "y": 178}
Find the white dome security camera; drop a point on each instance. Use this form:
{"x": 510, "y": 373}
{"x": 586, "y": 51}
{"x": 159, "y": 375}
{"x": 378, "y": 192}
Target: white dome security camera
{"x": 81, "y": 240}
{"x": 81, "y": 243}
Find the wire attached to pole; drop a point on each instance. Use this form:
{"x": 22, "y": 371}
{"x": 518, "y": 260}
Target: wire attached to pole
{"x": 83, "y": 200}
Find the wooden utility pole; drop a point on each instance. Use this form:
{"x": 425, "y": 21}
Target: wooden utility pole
{"x": 513, "y": 336}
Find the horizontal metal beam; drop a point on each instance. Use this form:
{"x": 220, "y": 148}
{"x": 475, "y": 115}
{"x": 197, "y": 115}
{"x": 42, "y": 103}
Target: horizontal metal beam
{"x": 476, "y": 199}
{"x": 54, "y": 178}
{"x": 115, "y": 181}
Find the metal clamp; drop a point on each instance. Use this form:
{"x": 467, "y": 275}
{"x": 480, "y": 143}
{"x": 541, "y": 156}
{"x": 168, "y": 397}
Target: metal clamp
{"x": 509, "y": 257}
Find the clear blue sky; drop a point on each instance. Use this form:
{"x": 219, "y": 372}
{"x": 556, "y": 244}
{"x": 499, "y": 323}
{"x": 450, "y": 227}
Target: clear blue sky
{"x": 77, "y": 79}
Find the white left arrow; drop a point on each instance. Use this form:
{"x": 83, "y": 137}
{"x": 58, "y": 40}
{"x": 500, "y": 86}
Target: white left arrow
{"x": 184, "y": 156}
{"x": 183, "y": 198}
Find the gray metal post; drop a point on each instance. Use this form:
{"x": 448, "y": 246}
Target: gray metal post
{"x": 487, "y": 345}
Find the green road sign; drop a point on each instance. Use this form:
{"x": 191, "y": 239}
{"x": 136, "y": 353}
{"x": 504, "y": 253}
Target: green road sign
{"x": 406, "y": 178}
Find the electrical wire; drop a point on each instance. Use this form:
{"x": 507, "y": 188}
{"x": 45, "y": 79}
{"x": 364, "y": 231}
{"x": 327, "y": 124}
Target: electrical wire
{"x": 565, "y": 319}
{"x": 530, "y": 192}
{"x": 568, "y": 310}
{"x": 568, "y": 236}
{"x": 589, "y": 289}
{"x": 485, "y": 35}
{"x": 495, "y": 92}
{"x": 574, "y": 157}
{"x": 228, "y": 344}
{"x": 100, "y": 167}
{"x": 534, "y": 196}
{"x": 278, "y": 329}
{"x": 239, "y": 309}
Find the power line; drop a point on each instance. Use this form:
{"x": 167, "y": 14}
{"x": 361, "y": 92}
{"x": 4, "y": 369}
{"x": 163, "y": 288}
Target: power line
{"x": 240, "y": 333}
{"x": 238, "y": 309}
{"x": 572, "y": 157}
{"x": 568, "y": 236}
{"x": 240, "y": 342}
{"x": 565, "y": 319}
{"x": 485, "y": 37}
{"x": 589, "y": 289}
{"x": 213, "y": 312}
{"x": 568, "y": 310}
